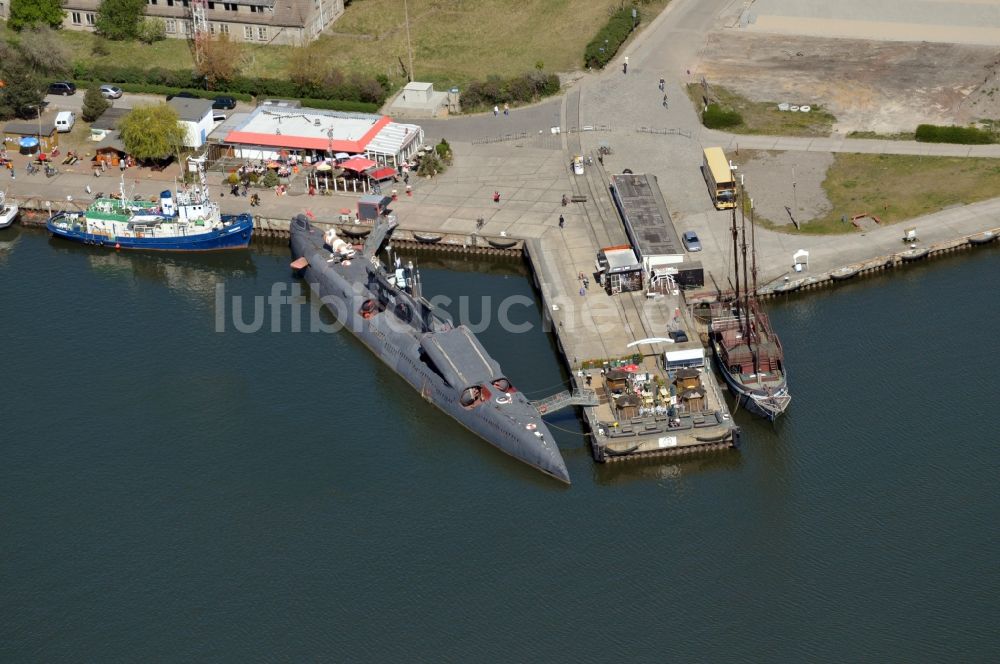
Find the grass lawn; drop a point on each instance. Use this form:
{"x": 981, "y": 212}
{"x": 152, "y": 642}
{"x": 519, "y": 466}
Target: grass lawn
{"x": 897, "y": 188}
{"x": 763, "y": 117}
{"x": 454, "y": 41}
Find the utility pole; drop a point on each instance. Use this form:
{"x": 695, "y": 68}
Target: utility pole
{"x": 795, "y": 198}
{"x": 409, "y": 45}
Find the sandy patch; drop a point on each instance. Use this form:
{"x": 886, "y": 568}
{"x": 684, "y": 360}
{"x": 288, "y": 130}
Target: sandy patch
{"x": 885, "y": 87}
{"x": 769, "y": 176}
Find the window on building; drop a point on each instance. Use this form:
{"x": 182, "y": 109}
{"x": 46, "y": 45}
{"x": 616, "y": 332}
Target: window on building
{"x": 152, "y": 2}
{"x": 211, "y": 28}
{"x": 224, "y": 28}
{"x": 248, "y": 32}
{"x": 170, "y": 25}
{"x": 170, "y": 3}
{"x": 76, "y": 18}
{"x": 90, "y": 19}
{"x": 262, "y": 33}
{"x": 254, "y": 9}
{"x": 211, "y": 5}
{"x": 186, "y": 3}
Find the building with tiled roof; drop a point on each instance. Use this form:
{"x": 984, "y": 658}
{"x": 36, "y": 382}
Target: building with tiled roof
{"x": 288, "y": 22}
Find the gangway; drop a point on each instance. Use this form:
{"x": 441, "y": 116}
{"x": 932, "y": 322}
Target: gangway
{"x": 564, "y": 399}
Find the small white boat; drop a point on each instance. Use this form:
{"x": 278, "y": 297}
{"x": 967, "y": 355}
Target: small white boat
{"x": 8, "y": 211}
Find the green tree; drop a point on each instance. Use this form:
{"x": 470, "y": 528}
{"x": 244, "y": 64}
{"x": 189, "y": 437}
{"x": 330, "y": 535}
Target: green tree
{"x": 152, "y": 132}
{"x": 30, "y": 13}
{"x": 94, "y": 103}
{"x": 119, "y": 19}
{"x": 23, "y": 89}
{"x": 152, "y": 30}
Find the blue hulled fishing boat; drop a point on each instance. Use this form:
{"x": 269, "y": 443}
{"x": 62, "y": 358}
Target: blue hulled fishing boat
{"x": 191, "y": 221}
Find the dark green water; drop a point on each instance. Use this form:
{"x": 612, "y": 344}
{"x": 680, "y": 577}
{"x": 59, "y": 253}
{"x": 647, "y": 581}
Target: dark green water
{"x": 171, "y": 493}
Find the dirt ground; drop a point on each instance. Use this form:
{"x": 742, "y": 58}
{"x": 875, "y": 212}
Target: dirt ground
{"x": 883, "y": 87}
{"x": 769, "y": 177}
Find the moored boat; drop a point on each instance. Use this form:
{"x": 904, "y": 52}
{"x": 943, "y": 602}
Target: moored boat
{"x": 8, "y": 211}
{"x": 384, "y": 308}
{"x": 983, "y": 238}
{"x": 747, "y": 351}
{"x": 191, "y": 221}
{"x": 844, "y": 273}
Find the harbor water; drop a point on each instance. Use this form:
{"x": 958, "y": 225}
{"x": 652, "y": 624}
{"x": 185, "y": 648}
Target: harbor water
{"x": 172, "y": 492}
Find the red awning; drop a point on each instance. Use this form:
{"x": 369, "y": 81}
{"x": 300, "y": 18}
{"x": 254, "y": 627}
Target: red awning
{"x": 383, "y": 173}
{"x": 357, "y": 164}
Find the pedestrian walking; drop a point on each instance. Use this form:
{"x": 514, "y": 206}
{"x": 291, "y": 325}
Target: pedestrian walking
{"x": 583, "y": 292}
{"x": 562, "y": 222}
{"x": 496, "y": 111}
{"x": 12, "y": 175}
{"x": 662, "y": 84}
{"x": 121, "y": 165}
{"x": 625, "y": 65}
{"x": 506, "y": 109}
{"x": 665, "y": 102}
{"x": 496, "y": 196}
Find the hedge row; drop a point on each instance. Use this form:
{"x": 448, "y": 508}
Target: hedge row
{"x": 351, "y": 89}
{"x": 716, "y": 117}
{"x": 495, "y": 90}
{"x": 341, "y": 105}
{"x": 603, "y": 47}
{"x": 965, "y": 135}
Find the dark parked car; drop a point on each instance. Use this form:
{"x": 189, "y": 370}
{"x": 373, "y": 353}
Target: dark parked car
{"x": 184, "y": 94}
{"x": 224, "y": 103}
{"x": 62, "y": 88}
{"x": 679, "y": 336}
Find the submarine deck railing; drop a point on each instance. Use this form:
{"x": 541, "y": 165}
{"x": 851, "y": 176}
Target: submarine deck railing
{"x": 565, "y": 399}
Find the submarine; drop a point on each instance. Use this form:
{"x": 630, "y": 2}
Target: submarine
{"x": 385, "y": 309}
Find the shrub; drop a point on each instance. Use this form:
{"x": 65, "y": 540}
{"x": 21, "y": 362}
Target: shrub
{"x": 716, "y": 117}
{"x": 94, "y": 104}
{"x": 152, "y": 30}
{"x": 429, "y": 165}
{"x": 965, "y": 135}
{"x": 495, "y": 90}
{"x": 603, "y": 47}
{"x": 443, "y": 150}
{"x": 270, "y": 179}
{"x": 100, "y": 47}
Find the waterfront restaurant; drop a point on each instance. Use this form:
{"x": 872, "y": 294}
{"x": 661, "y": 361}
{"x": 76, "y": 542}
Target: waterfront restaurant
{"x": 309, "y": 135}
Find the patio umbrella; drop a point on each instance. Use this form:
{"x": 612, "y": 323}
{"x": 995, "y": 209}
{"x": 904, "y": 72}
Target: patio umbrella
{"x": 357, "y": 164}
{"x": 383, "y": 173}
{"x": 324, "y": 167}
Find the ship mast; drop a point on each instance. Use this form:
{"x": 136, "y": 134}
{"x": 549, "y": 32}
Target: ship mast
{"x": 753, "y": 249}
{"x": 747, "y": 332}
{"x": 736, "y": 261}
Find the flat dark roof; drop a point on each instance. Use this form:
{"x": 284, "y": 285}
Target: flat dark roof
{"x": 645, "y": 215}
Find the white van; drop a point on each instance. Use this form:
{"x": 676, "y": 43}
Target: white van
{"x": 65, "y": 121}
